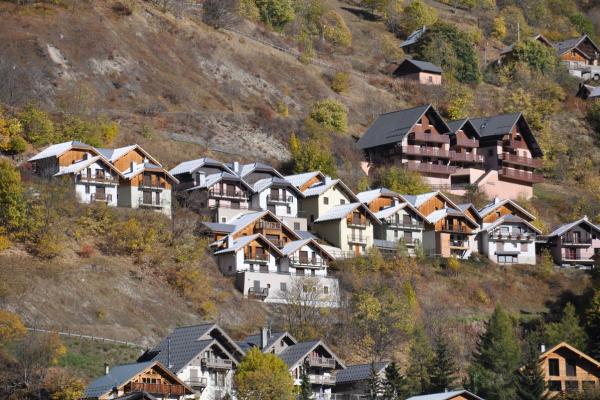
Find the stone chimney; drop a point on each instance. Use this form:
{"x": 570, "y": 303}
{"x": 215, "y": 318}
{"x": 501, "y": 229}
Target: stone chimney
{"x": 543, "y": 348}
{"x": 497, "y": 200}
{"x": 264, "y": 337}
{"x": 106, "y": 369}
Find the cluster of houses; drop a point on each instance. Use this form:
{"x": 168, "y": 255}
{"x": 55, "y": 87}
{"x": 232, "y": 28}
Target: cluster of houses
{"x": 275, "y": 233}
{"x": 199, "y": 362}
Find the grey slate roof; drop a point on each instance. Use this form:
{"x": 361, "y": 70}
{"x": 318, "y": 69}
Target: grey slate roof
{"x": 566, "y": 45}
{"x": 566, "y": 227}
{"x": 391, "y": 127}
{"x": 219, "y": 227}
{"x": 414, "y": 37}
{"x": 137, "y": 396}
{"x": 116, "y": 377}
{"x": 445, "y": 395}
{"x": 254, "y": 340}
{"x": 496, "y": 125}
{"x": 424, "y": 66}
{"x": 360, "y": 372}
{"x": 305, "y": 235}
{"x": 293, "y": 354}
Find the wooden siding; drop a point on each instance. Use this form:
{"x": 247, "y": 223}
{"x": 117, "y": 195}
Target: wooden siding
{"x": 585, "y": 371}
{"x": 158, "y": 179}
{"x": 310, "y": 182}
{"x": 573, "y": 55}
{"x": 470, "y": 213}
{"x": 461, "y": 222}
{"x": 518, "y": 143}
{"x": 431, "y": 205}
{"x": 124, "y": 163}
{"x": 73, "y": 156}
{"x": 503, "y": 210}
{"x": 381, "y": 203}
{"x": 282, "y": 232}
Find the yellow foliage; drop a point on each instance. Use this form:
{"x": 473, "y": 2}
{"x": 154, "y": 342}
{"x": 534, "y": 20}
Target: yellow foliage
{"x": 340, "y": 82}
{"x": 11, "y": 326}
{"x": 72, "y": 390}
{"x": 335, "y": 30}
{"x": 499, "y": 28}
{"x": 390, "y": 48}
{"x": 453, "y": 264}
{"x": 4, "y": 243}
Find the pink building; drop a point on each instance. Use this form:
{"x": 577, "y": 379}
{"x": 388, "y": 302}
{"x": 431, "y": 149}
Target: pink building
{"x": 421, "y": 71}
{"x": 575, "y": 244}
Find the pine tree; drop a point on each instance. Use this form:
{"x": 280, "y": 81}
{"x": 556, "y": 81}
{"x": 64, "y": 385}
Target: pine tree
{"x": 420, "y": 359}
{"x": 530, "y": 378}
{"x": 569, "y": 329}
{"x": 374, "y": 386}
{"x": 592, "y": 323}
{"x": 305, "y": 392}
{"x": 493, "y": 371}
{"x": 394, "y": 386}
{"x": 443, "y": 369}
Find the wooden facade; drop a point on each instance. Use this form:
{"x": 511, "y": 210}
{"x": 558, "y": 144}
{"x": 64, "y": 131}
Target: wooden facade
{"x": 568, "y": 369}
{"x": 74, "y": 155}
{"x": 380, "y": 203}
{"x": 501, "y": 211}
{"x": 271, "y": 228}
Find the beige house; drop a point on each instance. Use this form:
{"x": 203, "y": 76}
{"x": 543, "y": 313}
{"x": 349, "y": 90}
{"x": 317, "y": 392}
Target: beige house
{"x": 422, "y": 72}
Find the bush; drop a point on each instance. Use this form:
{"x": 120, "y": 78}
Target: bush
{"x": 219, "y": 13}
{"x": 390, "y": 49}
{"x": 335, "y": 30}
{"x": 12, "y": 201}
{"x": 536, "y": 55}
{"x": 4, "y": 243}
{"x": 313, "y": 155}
{"x": 86, "y": 251}
{"x": 340, "y": 82}
{"x": 401, "y": 180}
{"x": 593, "y": 115}
{"x": 38, "y": 127}
{"x": 330, "y": 115}
{"x": 459, "y": 102}
{"x": 276, "y": 13}
{"x": 416, "y": 15}
{"x": 17, "y": 145}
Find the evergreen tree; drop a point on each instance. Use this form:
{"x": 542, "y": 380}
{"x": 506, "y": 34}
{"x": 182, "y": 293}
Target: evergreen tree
{"x": 394, "y": 386}
{"x": 420, "y": 359}
{"x": 443, "y": 369}
{"x": 592, "y": 322}
{"x": 492, "y": 373}
{"x": 530, "y": 378}
{"x": 305, "y": 392}
{"x": 374, "y": 386}
{"x": 569, "y": 329}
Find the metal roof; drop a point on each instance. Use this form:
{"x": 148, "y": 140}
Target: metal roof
{"x": 360, "y": 372}
{"x": 295, "y": 354}
{"x": 370, "y": 195}
{"x": 445, "y": 395}
{"x": 424, "y": 66}
{"x": 338, "y": 212}
{"x": 496, "y": 203}
{"x": 300, "y": 179}
{"x": 116, "y": 377}
{"x": 188, "y": 167}
{"x": 566, "y": 227}
{"x": 496, "y": 125}
{"x": 414, "y": 37}
{"x": 510, "y": 219}
{"x": 58, "y": 149}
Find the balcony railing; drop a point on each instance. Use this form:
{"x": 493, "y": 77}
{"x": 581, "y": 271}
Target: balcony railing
{"x": 280, "y": 199}
{"x": 307, "y": 262}
{"x": 426, "y": 151}
{"x": 323, "y": 362}
{"x": 106, "y": 198}
{"x": 513, "y": 236}
{"x": 455, "y": 228}
{"x": 276, "y": 226}
{"x": 403, "y": 225}
{"x": 258, "y": 293}
{"x": 430, "y": 168}
{"x": 152, "y": 203}
{"x": 197, "y": 383}
{"x": 520, "y": 160}
{"x": 321, "y": 379}
{"x": 152, "y": 184}
{"x": 459, "y": 243}
{"x": 106, "y": 179}
{"x": 256, "y": 258}
{"x": 157, "y": 388}
{"x": 229, "y": 194}
{"x": 572, "y": 240}
{"x": 465, "y": 157}
{"x": 216, "y": 363}
{"x": 356, "y": 223}
{"x": 430, "y": 137}
{"x": 524, "y": 176}
{"x": 357, "y": 239}
{"x": 466, "y": 142}
{"x": 277, "y": 242}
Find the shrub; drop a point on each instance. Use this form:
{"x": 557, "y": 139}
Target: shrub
{"x": 263, "y": 376}
{"x": 122, "y": 8}
{"x": 593, "y": 115}
{"x": 282, "y": 109}
{"x": 390, "y": 49}
{"x": 453, "y": 265}
{"x": 86, "y": 251}
{"x": 536, "y": 55}
{"x": 460, "y": 101}
{"x": 12, "y": 201}
{"x": 11, "y": 326}
{"x": 335, "y": 30}
{"x": 249, "y": 9}
{"x": 17, "y": 145}
{"x": 312, "y": 155}
{"x": 499, "y": 27}
{"x": 4, "y": 243}
{"x": 307, "y": 52}
{"x": 514, "y": 15}
{"x": 401, "y": 180}
{"x": 376, "y": 5}
{"x": 219, "y": 13}
{"x": 417, "y": 14}
{"x": 330, "y": 115}
{"x": 48, "y": 245}
{"x": 276, "y": 13}
{"x": 38, "y": 127}
{"x": 340, "y": 82}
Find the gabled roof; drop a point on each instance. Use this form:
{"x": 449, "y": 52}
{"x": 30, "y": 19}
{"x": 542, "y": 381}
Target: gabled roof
{"x": 567, "y": 227}
{"x": 292, "y": 247}
{"x": 449, "y": 212}
{"x": 389, "y": 211}
{"x": 423, "y": 66}
{"x": 462, "y": 124}
{"x": 419, "y": 199}
{"x": 266, "y": 183}
{"x": 244, "y": 220}
{"x": 254, "y": 340}
{"x": 186, "y": 343}
{"x": 592, "y": 91}
{"x": 394, "y": 126}
{"x": 299, "y": 180}
{"x": 147, "y": 167}
{"x": 243, "y": 241}
{"x": 246, "y": 169}
{"x": 57, "y": 150}
{"x": 294, "y": 355}
{"x": 191, "y": 166}
{"x": 414, "y": 37}
{"x": 446, "y": 395}
{"x": 121, "y": 374}
{"x": 341, "y": 211}
{"x": 359, "y": 372}
{"x": 137, "y": 396}
{"x": 115, "y": 154}
{"x": 569, "y": 44}
{"x": 469, "y": 206}
{"x": 499, "y": 125}
{"x": 572, "y": 349}
{"x": 497, "y": 203}
{"x": 78, "y": 166}
{"x": 368, "y": 196}
{"x": 510, "y": 219}
{"x": 213, "y": 179}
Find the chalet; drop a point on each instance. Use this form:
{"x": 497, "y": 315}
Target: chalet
{"x": 464, "y": 144}
{"x": 150, "y": 377}
{"x": 410, "y": 42}
{"x": 188, "y": 172}
{"x": 568, "y": 369}
{"x": 579, "y": 54}
{"x": 449, "y": 395}
{"x": 511, "y": 154}
{"x": 574, "y": 244}
{"x": 588, "y": 92}
{"x": 448, "y": 232}
{"x": 422, "y": 72}
{"x": 202, "y": 356}
{"x": 353, "y": 381}
{"x": 279, "y": 196}
{"x": 416, "y": 139}
{"x": 400, "y": 221}
{"x": 254, "y": 172}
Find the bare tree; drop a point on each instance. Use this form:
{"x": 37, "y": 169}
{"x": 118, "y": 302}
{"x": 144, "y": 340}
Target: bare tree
{"x": 220, "y": 13}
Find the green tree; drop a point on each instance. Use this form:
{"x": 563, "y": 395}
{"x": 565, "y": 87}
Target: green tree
{"x": 330, "y": 115}
{"x": 38, "y": 127}
{"x": 460, "y": 101}
{"x": 12, "y": 201}
{"x": 416, "y": 15}
{"x": 305, "y": 392}
{"x": 443, "y": 369}
{"x": 402, "y": 181}
{"x": 531, "y": 383}
{"x": 582, "y": 23}
{"x": 420, "y": 358}
{"x": 394, "y": 384}
{"x": 335, "y": 30}
{"x": 568, "y": 329}
{"x": 592, "y": 323}
{"x": 263, "y": 377}
{"x": 314, "y": 154}
{"x": 376, "y": 5}
{"x": 276, "y": 13}
{"x": 536, "y": 55}
{"x": 497, "y": 357}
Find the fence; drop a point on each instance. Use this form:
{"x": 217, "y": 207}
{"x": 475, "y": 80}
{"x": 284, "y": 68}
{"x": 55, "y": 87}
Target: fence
{"x": 87, "y": 337}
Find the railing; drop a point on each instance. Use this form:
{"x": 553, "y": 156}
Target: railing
{"x": 403, "y": 225}
{"x": 430, "y": 168}
{"x": 513, "y": 236}
{"x": 107, "y": 198}
{"x": 277, "y": 242}
{"x": 279, "y": 199}
{"x": 573, "y": 240}
{"x": 197, "y": 383}
{"x": 465, "y": 157}
{"x": 321, "y": 379}
{"x": 356, "y": 223}
{"x": 233, "y": 194}
{"x": 466, "y": 142}
{"x": 258, "y": 293}
{"x": 455, "y": 228}
{"x": 268, "y": 225}
{"x": 238, "y": 206}
{"x": 426, "y": 151}
{"x": 521, "y": 175}
{"x": 108, "y": 179}
{"x": 256, "y": 257}
{"x": 357, "y": 239}
{"x": 160, "y": 388}
{"x": 152, "y": 184}
{"x": 459, "y": 243}
{"x": 217, "y": 363}
{"x": 321, "y": 362}
{"x": 430, "y": 137}
{"x": 152, "y": 203}
{"x": 520, "y": 160}
{"x": 306, "y": 262}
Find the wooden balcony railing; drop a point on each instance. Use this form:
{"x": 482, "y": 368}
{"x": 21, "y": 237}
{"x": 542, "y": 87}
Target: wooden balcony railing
{"x": 321, "y": 379}
{"x": 466, "y": 142}
{"x": 357, "y": 239}
{"x": 465, "y": 157}
{"x": 151, "y": 202}
{"x": 426, "y": 151}
{"x": 513, "y": 236}
{"x": 430, "y": 137}
{"x": 430, "y": 168}
{"x": 524, "y": 176}
{"x": 279, "y": 199}
{"x": 229, "y": 194}
{"x": 106, "y": 198}
{"x": 459, "y": 243}
{"x": 356, "y": 222}
{"x": 276, "y": 226}
{"x": 197, "y": 383}
{"x": 152, "y": 184}
{"x": 403, "y": 224}
{"x": 157, "y": 388}
{"x": 258, "y": 293}
{"x": 216, "y": 363}
{"x": 508, "y": 158}
{"x": 455, "y": 228}
{"x": 106, "y": 179}
{"x": 323, "y": 362}
{"x": 573, "y": 240}
{"x": 306, "y": 262}
{"x": 258, "y": 258}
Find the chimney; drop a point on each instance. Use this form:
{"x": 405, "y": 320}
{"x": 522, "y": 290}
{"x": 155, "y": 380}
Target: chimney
{"x": 543, "y": 348}
{"x": 132, "y": 166}
{"x": 236, "y": 167}
{"x": 229, "y": 241}
{"x": 200, "y": 178}
{"x": 264, "y": 337}
{"x": 106, "y": 369}
{"x": 497, "y": 200}
{"x": 585, "y": 217}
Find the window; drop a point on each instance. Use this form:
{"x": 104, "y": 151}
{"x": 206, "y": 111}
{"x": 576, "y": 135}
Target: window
{"x": 553, "y": 369}
{"x": 283, "y": 287}
{"x": 326, "y": 289}
{"x": 264, "y": 268}
{"x": 223, "y": 219}
{"x": 342, "y": 202}
{"x": 312, "y": 218}
{"x": 571, "y": 386}
{"x": 296, "y": 226}
{"x": 571, "y": 367}
{"x": 289, "y": 209}
{"x": 395, "y": 234}
{"x": 87, "y": 189}
{"x": 230, "y": 268}
{"x": 554, "y": 386}
{"x": 490, "y": 152}
{"x": 325, "y": 200}
{"x": 408, "y": 237}
{"x": 498, "y": 213}
{"x": 430, "y": 78}
{"x": 500, "y": 246}
{"x": 524, "y": 247}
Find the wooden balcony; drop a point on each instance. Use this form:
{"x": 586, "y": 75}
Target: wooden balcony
{"x": 278, "y": 199}
{"x": 216, "y": 363}
{"x": 357, "y": 239}
{"x": 258, "y": 293}
{"x": 459, "y": 244}
{"x": 508, "y": 158}
{"x": 430, "y": 168}
{"x": 268, "y": 225}
{"x": 514, "y": 237}
{"x": 429, "y": 137}
{"x": 356, "y": 223}
{"x": 98, "y": 179}
{"x": 469, "y": 158}
{"x": 467, "y": 143}
{"x": 321, "y": 379}
{"x": 518, "y": 175}
{"x": 575, "y": 241}
{"x": 392, "y": 224}
{"x": 197, "y": 383}
{"x": 156, "y": 388}
{"x": 321, "y": 362}
{"x": 426, "y": 151}
{"x": 151, "y": 203}
{"x": 155, "y": 184}
{"x": 305, "y": 262}
{"x": 106, "y": 198}
{"x": 455, "y": 228}
{"x": 256, "y": 258}
{"x": 227, "y": 194}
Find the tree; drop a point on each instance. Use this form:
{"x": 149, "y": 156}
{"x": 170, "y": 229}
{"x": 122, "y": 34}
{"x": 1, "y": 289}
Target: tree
{"x": 219, "y": 13}
{"x": 443, "y": 368}
{"x": 330, "y": 115}
{"x": 420, "y": 358}
{"x": 416, "y": 15}
{"x": 11, "y": 327}
{"x": 497, "y": 357}
{"x": 460, "y": 101}
{"x": 375, "y": 5}
{"x": 535, "y": 54}
{"x": 592, "y": 322}
{"x": 401, "y": 180}
{"x": 374, "y": 386}
{"x": 531, "y": 383}
{"x": 568, "y": 329}
{"x": 263, "y": 377}
{"x": 12, "y": 201}
{"x": 305, "y": 392}
{"x": 593, "y": 115}
{"x": 312, "y": 155}
{"x": 38, "y": 127}
{"x": 335, "y": 30}
{"x": 394, "y": 384}
{"x": 276, "y": 13}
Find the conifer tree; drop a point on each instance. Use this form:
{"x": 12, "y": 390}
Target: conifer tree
{"x": 530, "y": 378}
{"x": 592, "y": 322}
{"x": 443, "y": 368}
{"x": 305, "y": 392}
{"x": 492, "y": 373}
{"x": 374, "y": 386}
{"x": 569, "y": 329}
{"x": 420, "y": 359}
{"x": 394, "y": 386}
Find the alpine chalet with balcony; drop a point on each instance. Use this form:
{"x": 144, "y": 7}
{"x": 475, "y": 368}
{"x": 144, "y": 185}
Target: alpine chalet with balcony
{"x": 574, "y": 244}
